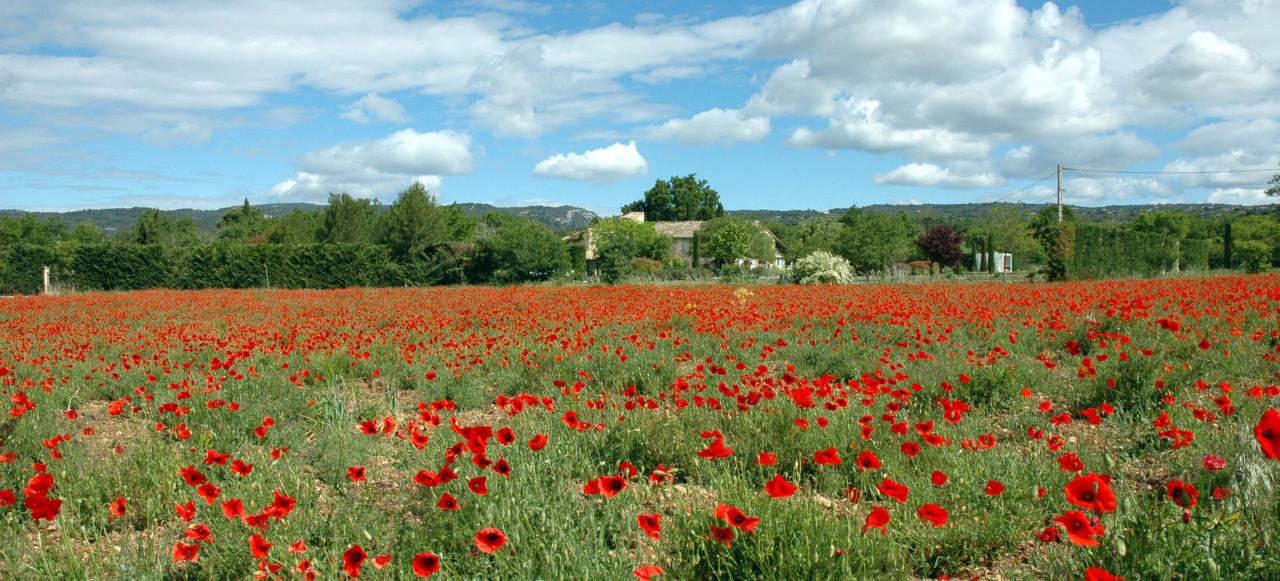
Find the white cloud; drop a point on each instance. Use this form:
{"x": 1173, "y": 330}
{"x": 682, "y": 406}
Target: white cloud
{"x": 1110, "y": 190}
{"x": 1114, "y": 151}
{"x": 713, "y": 126}
{"x": 607, "y": 164}
{"x": 379, "y": 167}
{"x": 1241, "y": 196}
{"x": 1205, "y": 67}
{"x": 859, "y": 124}
{"x": 181, "y": 132}
{"x": 930, "y": 175}
{"x": 375, "y": 107}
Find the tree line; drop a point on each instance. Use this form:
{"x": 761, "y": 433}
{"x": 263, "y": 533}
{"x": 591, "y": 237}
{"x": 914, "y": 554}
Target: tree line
{"x": 416, "y": 241}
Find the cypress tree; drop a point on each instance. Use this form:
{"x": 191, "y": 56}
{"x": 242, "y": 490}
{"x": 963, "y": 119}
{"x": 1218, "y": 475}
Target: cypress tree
{"x": 1226, "y": 244}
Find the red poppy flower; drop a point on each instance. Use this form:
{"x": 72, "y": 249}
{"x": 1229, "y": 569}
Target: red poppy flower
{"x": 233, "y": 508}
{"x": 867, "y": 460}
{"x": 353, "y": 560}
{"x": 994, "y": 488}
{"x": 298, "y": 547}
{"x": 505, "y": 436}
{"x": 426, "y": 564}
{"x": 828, "y": 457}
{"x": 241, "y": 468}
{"x": 1092, "y": 492}
{"x": 716, "y": 450}
{"x": 200, "y": 533}
{"x": 192, "y": 476}
{"x": 1213, "y": 463}
{"x": 1268, "y": 434}
{"x": 380, "y": 562}
{"x": 893, "y": 490}
{"x": 185, "y": 552}
{"x": 447, "y": 502}
{"x": 1097, "y": 574}
{"x": 489, "y": 540}
{"x": 651, "y": 524}
{"x": 502, "y": 467}
{"x": 1070, "y": 462}
{"x": 878, "y": 518}
{"x": 736, "y": 518}
{"x": 938, "y": 478}
{"x": 8, "y": 498}
{"x": 910, "y": 449}
{"x": 186, "y": 512}
{"x": 610, "y": 486}
{"x": 934, "y": 514}
{"x": 724, "y": 535}
{"x": 479, "y": 485}
{"x": 538, "y": 442}
{"x": 1079, "y": 530}
{"x": 779, "y": 487}
{"x": 118, "y": 507}
{"x": 1183, "y": 494}
{"x": 647, "y": 572}
{"x": 767, "y": 459}
{"x": 209, "y": 493}
{"x": 355, "y": 473}
{"x": 258, "y": 547}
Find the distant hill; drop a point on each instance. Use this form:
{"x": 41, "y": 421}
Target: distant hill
{"x": 564, "y": 219}
{"x": 964, "y": 212}
{"x": 559, "y": 218}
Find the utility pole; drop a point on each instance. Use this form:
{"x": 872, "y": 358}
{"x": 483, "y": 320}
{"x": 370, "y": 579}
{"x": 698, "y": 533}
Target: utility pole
{"x": 1059, "y": 193}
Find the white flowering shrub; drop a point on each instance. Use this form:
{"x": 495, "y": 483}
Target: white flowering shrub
{"x": 821, "y": 268}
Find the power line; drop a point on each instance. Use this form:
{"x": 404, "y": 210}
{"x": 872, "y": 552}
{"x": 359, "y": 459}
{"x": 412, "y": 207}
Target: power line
{"x": 1023, "y": 189}
{"x": 1168, "y": 172}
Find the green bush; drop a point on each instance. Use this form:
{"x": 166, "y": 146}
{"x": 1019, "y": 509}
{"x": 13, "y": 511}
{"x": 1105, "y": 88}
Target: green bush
{"x": 22, "y": 268}
{"x": 1253, "y": 255}
{"x": 821, "y": 268}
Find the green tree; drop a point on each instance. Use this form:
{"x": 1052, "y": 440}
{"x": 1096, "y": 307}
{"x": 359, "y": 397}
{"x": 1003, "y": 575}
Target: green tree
{"x": 27, "y": 229}
{"x": 413, "y": 222}
{"x": 296, "y": 227}
{"x": 348, "y": 220}
{"x": 807, "y": 237}
{"x": 87, "y": 233}
{"x": 678, "y": 198}
{"x": 517, "y": 249}
{"x": 726, "y": 239}
{"x": 158, "y": 228}
{"x": 241, "y": 223}
{"x": 619, "y": 242}
{"x": 1057, "y": 239}
{"x": 1273, "y": 186}
{"x": 1227, "y": 245}
{"x": 874, "y": 241}
{"x": 1254, "y": 255}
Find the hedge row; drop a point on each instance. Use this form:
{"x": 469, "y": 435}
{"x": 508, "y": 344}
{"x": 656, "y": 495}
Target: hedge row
{"x": 1101, "y": 252}
{"x": 134, "y": 266}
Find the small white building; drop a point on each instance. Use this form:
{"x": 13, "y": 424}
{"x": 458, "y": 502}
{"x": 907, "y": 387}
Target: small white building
{"x": 1003, "y": 262}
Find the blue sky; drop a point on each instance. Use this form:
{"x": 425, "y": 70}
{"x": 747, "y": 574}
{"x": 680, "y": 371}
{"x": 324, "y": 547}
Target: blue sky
{"x": 814, "y": 104}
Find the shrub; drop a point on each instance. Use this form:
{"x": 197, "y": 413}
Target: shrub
{"x": 1253, "y": 255}
{"x": 821, "y": 268}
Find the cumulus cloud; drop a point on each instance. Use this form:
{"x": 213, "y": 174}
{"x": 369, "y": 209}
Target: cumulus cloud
{"x": 375, "y": 107}
{"x": 379, "y": 167}
{"x": 1114, "y": 151}
{"x": 859, "y": 124}
{"x": 713, "y": 126}
{"x": 607, "y": 164}
{"x": 1241, "y": 196}
{"x": 930, "y": 175}
{"x": 1205, "y": 67}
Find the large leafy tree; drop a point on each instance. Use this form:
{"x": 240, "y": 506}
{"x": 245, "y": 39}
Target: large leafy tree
{"x": 678, "y": 198}
{"x": 811, "y": 236}
{"x": 159, "y": 228}
{"x": 619, "y": 242}
{"x": 1056, "y": 238}
{"x": 296, "y": 227}
{"x": 874, "y": 241}
{"x": 942, "y": 244}
{"x": 413, "y": 222}
{"x": 517, "y": 249}
{"x": 348, "y": 220}
{"x": 726, "y": 239}
{"x": 241, "y": 223}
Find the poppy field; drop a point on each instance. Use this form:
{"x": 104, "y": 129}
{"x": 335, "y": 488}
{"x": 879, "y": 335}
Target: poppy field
{"x": 1084, "y": 430}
